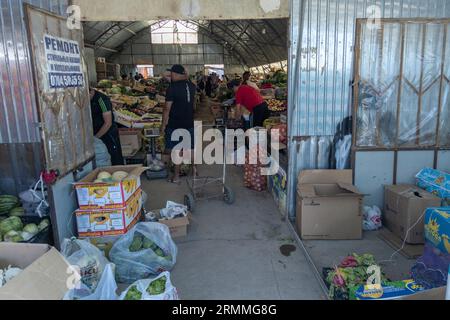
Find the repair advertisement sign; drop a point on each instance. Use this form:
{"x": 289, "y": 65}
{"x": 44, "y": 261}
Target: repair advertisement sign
{"x": 63, "y": 63}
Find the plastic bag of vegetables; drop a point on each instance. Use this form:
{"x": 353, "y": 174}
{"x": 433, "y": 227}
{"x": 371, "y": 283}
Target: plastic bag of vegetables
{"x": 88, "y": 258}
{"x": 106, "y": 288}
{"x": 159, "y": 288}
{"x": 146, "y": 250}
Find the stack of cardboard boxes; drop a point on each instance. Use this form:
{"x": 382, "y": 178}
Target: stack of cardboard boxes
{"x": 108, "y": 210}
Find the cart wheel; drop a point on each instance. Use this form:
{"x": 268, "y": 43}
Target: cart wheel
{"x": 228, "y": 195}
{"x": 189, "y": 202}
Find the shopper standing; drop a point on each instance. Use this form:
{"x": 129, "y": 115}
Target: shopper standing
{"x": 179, "y": 112}
{"x": 104, "y": 126}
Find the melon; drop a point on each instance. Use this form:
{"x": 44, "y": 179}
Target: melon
{"x": 104, "y": 175}
{"x": 119, "y": 175}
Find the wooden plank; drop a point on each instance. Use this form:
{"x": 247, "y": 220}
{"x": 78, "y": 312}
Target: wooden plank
{"x": 409, "y": 251}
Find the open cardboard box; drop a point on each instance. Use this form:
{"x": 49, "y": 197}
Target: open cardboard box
{"x": 44, "y": 275}
{"x": 178, "y": 226}
{"x": 108, "y": 195}
{"x": 131, "y": 141}
{"x": 329, "y": 207}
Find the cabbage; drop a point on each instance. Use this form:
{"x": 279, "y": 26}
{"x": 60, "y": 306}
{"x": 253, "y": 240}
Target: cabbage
{"x": 31, "y": 228}
{"x": 13, "y": 236}
{"x": 44, "y": 224}
{"x": 10, "y": 224}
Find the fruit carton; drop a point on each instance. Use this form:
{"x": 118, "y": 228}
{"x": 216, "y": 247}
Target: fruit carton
{"x": 109, "y": 222}
{"x": 108, "y": 195}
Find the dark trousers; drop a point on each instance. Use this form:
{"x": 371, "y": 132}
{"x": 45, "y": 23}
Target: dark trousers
{"x": 260, "y": 114}
{"x": 112, "y": 142}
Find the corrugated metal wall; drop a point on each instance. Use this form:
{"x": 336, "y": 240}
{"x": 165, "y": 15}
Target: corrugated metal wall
{"x": 321, "y": 63}
{"x": 18, "y": 116}
{"x": 163, "y": 56}
{"x": 20, "y": 147}
{"x": 326, "y": 55}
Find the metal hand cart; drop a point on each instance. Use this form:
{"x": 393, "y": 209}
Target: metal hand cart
{"x": 197, "y": 185}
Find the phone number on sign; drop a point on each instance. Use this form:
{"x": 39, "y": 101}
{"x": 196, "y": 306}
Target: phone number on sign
{"x": 66, "y": 80}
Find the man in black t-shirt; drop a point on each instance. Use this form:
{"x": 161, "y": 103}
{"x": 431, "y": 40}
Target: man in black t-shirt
{"x": 104, "y": 126}
{"x": 179, "y": 111}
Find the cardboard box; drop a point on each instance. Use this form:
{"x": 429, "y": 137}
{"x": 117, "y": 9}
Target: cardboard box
{"x": 178, "y": 226}
{"x": 436, "y": 294}
{"x": 104, "y": 243}
{"x": 112, "y": 195}
{"x": 435, "y": 181}
{"x": 389, "y": 291}
{"x": 403, "y": 206}
{"x": 44, "y": 275}
{"x": 329, "y": 207}
{"x": 130, "y": 141}
{"x": 437, "y": 228}
{"x": 109, "y": 222}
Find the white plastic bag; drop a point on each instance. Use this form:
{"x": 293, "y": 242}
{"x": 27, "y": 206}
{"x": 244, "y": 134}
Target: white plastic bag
{"x": 173, "y": 210}
{"x": 372, "y": 218}
{"x": 106, "y": 288}
{"x": 88, "y": 258}
{"x": 343, "y": 148}
{"x": 170, "y": 292}
{"x": 141, "y": 264}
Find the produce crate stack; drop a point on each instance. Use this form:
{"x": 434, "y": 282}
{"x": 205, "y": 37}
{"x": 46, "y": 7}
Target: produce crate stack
{"x": 110, "y": 204}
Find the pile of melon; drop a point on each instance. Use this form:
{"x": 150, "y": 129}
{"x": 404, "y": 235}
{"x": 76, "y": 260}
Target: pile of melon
{"x": 106, "y": 177}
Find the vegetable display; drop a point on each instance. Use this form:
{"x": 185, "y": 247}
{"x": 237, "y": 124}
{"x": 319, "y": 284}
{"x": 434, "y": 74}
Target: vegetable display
{"x": 12, "y": 229}
{"x": 8, "y": 203}
{"x": 276, "y": 105}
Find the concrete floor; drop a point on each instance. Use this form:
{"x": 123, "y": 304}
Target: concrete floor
{"x": 233, "y": 252}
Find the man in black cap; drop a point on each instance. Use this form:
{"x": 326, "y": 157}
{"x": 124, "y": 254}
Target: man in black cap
{"x": 179, "y": 111}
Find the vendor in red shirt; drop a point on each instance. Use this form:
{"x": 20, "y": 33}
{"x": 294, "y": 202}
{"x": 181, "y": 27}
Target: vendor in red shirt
{"x": 252, "y": 100}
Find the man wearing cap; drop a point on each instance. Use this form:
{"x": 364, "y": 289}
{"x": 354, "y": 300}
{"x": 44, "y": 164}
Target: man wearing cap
{"x": 252, "y": 100}
{"x": 179, "y": 111}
